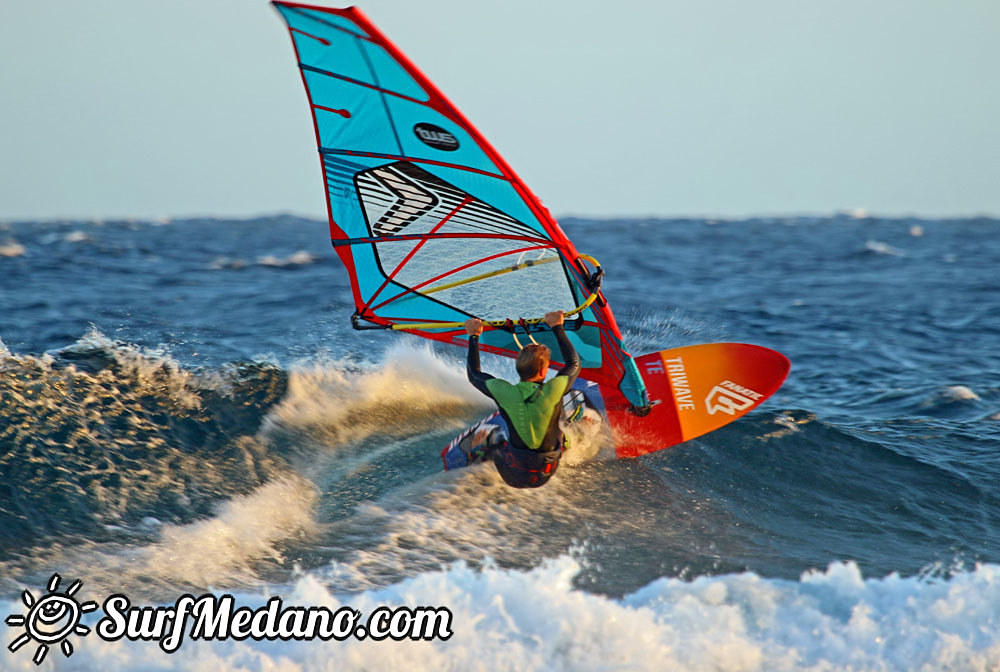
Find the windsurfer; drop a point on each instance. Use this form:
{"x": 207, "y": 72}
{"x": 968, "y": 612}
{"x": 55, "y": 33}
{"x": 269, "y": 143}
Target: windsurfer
{"x": 531, "y": 408}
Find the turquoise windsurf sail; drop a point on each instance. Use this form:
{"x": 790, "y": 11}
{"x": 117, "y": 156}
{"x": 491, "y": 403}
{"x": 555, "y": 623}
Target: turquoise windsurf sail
{"x": 431, "y": 223}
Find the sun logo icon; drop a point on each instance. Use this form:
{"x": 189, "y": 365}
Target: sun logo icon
{"x": 51, "y": 619}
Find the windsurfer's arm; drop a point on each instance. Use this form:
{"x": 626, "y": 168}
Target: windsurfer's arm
{"x": 571, "y": 360}
{"x": 474, "y": 328}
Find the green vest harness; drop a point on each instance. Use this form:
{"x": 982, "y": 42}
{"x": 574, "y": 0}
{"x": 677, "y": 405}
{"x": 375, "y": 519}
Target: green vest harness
{"x": 530, "y": 406}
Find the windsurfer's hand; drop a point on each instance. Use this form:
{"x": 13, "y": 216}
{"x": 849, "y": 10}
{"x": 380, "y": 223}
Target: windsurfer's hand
{"x": 554, "y": 319}
{"x": 473, "y": 326}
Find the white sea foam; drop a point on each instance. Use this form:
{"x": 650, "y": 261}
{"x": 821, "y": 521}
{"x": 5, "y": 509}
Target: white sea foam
{"x": 951, "y": 394}
{"x": 151, "y": 366}
{"x": 878, "y": 247}
{"x": 468, "y": 514}
{"x": 244, "y": 530}
{"x": 536, "y": 620}
{"x": 228, "y": 263}
{"x": 336, "y": 402}
{"x": 221, "y": 550}
{"x": 587, "y": 437}
{"x": 300, "y": 258}
{"x": 77, "y": 237}
{"x": 12, "y": 248}
{"x": 961, "y": 393}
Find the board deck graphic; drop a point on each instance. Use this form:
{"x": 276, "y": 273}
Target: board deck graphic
{"x": 699, "y": 389}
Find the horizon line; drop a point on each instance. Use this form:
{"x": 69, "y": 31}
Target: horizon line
{"x": 844, "y": 213}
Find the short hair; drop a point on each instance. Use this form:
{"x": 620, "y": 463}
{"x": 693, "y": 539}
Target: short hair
{"x": 532, "y": 360}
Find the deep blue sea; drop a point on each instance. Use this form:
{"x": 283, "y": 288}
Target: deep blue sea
{"x": 184, "y": 408}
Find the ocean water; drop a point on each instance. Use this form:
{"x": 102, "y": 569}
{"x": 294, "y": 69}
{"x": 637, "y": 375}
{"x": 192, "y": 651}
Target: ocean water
{"x": 184, "y": 408}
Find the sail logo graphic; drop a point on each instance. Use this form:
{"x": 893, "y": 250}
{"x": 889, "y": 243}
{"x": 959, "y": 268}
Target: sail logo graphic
{"x": 51, "y": 619}
{"x": 412, "y": 199}
{"x": 730, "y": 398}
{"x": 436, "y": 137}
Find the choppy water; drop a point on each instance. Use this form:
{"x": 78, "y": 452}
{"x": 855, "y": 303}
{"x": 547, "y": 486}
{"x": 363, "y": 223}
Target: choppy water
{"x": 185, "y": 408}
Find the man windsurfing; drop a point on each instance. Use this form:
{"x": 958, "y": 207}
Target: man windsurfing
{"x": 529, "y": 453}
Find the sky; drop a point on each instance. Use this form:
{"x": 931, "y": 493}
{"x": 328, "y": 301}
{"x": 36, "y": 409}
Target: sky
{"x": 728, "y": 108}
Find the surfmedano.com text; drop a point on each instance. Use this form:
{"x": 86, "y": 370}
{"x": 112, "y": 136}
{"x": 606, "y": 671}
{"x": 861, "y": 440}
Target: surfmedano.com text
{"x": 213, "y": 617}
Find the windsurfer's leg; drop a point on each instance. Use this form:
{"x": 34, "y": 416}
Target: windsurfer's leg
{"x": 476, "y": 444}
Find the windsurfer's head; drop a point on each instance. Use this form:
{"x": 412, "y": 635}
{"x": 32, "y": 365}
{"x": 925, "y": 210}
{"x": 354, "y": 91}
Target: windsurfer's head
{"x": 533, "y": 362}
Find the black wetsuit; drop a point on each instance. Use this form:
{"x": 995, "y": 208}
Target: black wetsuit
{"x": 523, "y": 463}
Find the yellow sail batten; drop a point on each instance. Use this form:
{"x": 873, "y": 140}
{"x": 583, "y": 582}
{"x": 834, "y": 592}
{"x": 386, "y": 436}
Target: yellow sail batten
{"x": 491, "y": 274}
